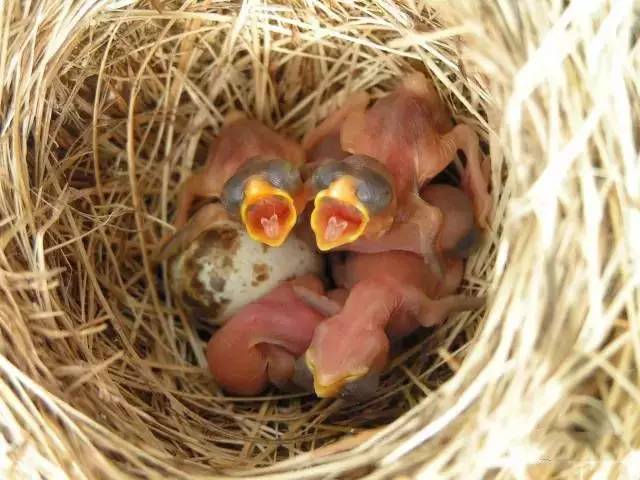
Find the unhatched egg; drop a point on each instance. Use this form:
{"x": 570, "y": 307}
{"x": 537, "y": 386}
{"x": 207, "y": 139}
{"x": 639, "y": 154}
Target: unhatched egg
{"x": 223, "y": 269}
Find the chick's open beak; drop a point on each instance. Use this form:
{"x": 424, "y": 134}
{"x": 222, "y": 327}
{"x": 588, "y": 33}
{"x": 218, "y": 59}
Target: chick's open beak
{"x": 268, "y": 213}
{"x": 329, "y": 386}
{"x": 338, "y": 217}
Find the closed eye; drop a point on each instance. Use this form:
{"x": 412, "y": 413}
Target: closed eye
{"x": 278, "y": 172}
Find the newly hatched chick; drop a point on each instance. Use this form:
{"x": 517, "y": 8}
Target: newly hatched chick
{"x": 387, "y": 303}
{"x": 396, "y": 146}
{"x": 255, "y": 172}
{"x": 391, "y": 294}
{"x": 260, "y": 343}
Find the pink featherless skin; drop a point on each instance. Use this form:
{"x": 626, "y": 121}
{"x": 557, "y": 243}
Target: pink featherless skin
{"x": 391, "y": 294}
{"x": 260, "y": 343}
{"x": 388, "y": 300}
{"x": 409, "y": 132}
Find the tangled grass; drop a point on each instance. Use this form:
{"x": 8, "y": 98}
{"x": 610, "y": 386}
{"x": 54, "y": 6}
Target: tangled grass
{"x": 106, "y": 105}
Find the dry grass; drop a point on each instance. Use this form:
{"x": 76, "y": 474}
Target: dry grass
{"x": 106, "y": 105}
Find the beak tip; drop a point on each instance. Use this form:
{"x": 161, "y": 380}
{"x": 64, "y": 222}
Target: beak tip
{"x": 259, "y": 234}
{"x": 322, "y": 247}
{"x": 271, "y": 242}
{"x": 324, "y": 392}
{"x": 327, "y": 246}
{"x": 279, "y": 214}
{"x": 321, "y": 221}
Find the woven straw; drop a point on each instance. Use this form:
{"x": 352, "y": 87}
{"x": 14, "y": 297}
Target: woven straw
{"x": 106, "y": 106}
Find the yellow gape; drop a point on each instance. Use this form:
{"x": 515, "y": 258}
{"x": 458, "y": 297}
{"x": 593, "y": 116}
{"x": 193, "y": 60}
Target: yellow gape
{"x": 338, "y": 217}
{"x": 268, "y": 213}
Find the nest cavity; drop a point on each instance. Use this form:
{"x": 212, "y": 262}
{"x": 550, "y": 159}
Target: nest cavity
{"x": 106, "y": 106}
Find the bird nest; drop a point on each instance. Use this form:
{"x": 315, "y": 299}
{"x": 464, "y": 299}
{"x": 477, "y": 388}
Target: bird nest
{"x": 106, "y": 106}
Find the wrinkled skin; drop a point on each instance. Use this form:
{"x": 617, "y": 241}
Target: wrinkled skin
{"x": 240, "y": 157}
{"x": 348, "y": 272}
{"x": 259, "y": 345}
{"x": 388, "y": 301}
{"x": 457, "y": 233}
{"x": 390, "y": 295}
{"x": 409, "y": 133}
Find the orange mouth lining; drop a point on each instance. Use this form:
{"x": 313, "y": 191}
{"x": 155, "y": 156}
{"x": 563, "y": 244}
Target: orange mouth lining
{"x": 274, "y": 207}
{"x": 336, "y": 222}
{"x": 338, "y": 219}
{"x": 338, "y": 216}
{"x": 268, "y": 213}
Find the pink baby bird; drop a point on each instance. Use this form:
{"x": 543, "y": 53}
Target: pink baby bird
{"x": 371, "y": 164}
{"x": 260, "y": 344}
{"x": 391, "y": 294}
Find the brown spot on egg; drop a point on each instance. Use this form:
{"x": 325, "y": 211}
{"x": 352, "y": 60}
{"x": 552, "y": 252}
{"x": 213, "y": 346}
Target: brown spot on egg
{"x": 260, "y": 273}
{"x": 190, "y": 265}
{"x": 195, "y": 291}
{"x": 227, "y": 262}
{"x": 201, "y": 249}
{"x": 190, "y": 302}
{"x": 225, "y": 238}
{"x": 265, "y": 248}
{"x": 216, "y": 283}
{"x": 199, "y": 311}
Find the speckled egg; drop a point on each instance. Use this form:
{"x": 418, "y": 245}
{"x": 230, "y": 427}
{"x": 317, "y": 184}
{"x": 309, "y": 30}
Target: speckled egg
{"x": 223, "y": 269}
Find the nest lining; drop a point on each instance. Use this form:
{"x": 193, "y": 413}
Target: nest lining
{"x": 106, "y": 107}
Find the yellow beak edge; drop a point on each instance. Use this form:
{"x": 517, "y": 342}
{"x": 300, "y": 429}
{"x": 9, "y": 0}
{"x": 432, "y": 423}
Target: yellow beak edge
{"x": 343, "y": 191}
{"x": 330, "y": 390}
{"x": 256, "y": 191}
